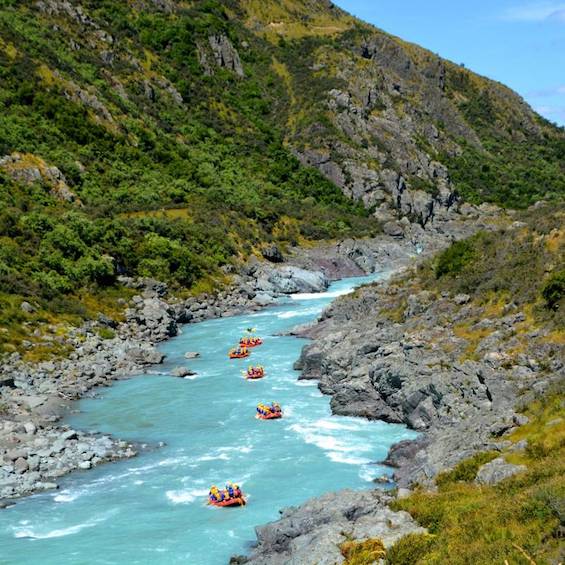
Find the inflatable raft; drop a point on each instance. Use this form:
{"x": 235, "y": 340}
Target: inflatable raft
{"x": 239, "y": 501}
{"x": 271, "y": 416}
{"x": 250, "y": 341}
{"x": 234, "y": 354}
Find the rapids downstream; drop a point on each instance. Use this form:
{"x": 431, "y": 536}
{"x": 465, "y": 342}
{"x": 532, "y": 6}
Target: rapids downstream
{"x": 153, "y": 509}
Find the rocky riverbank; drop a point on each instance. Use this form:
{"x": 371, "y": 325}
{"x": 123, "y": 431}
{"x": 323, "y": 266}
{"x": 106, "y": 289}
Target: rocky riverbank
{"x": 455, "y": 367}
{"x": 313, "y": 532}
{"x": 35, "y": 450}
{"x": 36, "y": 396}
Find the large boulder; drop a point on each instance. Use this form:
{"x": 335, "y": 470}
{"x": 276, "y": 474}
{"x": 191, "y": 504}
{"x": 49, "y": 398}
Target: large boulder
{"x": 313, "y": 532}
{"x": 289, "y": 280}
{"x": 497, "y": 470}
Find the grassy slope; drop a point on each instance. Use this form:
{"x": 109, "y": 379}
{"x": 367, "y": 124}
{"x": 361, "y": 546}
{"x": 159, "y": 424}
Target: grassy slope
{"x": 495, "y": 147}
{"x": 519, "y": 520}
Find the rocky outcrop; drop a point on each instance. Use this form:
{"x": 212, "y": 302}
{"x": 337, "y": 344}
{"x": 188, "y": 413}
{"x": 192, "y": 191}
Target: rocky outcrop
{"x": 225, "y": 54}
{"x": 33, "y": 457}
{"x": 313, "y": 532}
{"x": 29, "y": 168}
{"x": 437, "y": 363}
{"x": 497, "y": 470}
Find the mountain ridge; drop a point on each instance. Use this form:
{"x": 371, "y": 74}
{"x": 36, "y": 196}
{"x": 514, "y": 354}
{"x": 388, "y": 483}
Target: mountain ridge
{"x": 244, "y": 133}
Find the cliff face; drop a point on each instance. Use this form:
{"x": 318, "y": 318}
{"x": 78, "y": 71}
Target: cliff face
{"x": 396, "y": 126}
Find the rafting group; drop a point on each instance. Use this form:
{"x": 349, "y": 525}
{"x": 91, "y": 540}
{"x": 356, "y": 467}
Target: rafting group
{"x": 254, "y": 373}
{"x": 232, "y": 495}
{"x": 269, "y": 411}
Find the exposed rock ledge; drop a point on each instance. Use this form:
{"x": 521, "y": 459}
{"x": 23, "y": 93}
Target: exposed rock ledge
{"x": 313, "y": 532}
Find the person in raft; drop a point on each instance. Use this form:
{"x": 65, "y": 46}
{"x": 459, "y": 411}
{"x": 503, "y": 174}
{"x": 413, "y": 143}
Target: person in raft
{"x": 231, "y": 491}
{"x": 255, "y": 371}
{"x": 215, "y": 494}
{"x": 265, "y": 410}
{"x": 249, "y": 341}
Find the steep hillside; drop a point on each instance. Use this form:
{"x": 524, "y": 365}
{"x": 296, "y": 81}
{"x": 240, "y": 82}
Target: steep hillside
{"x": 168, "y": 139}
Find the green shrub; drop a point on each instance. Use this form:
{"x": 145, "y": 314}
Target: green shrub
{"x": 454, "y": 258}
{"x": 553, "y": 289}
{"x": 409, "y": 549}
{"x": 106, "y": 333}
{"x": 465, "y": 471}
{"x": 362, "y": 552}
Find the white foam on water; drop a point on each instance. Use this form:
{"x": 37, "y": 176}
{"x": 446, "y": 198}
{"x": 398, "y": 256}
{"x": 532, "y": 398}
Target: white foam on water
{"x": 318, "y": 295}
{"x": 138, "y": 482}
{"x": 326, "y": 442}
{"x": 222, "y": 456}
{"x": 53, "y": 533}
{"x": 185, "y": 496}
{"x": 296, "y": 313}
{"x": 332, "y": 424}
{"x": 339, "y": 457}
{"x": 66, "y": 496}
{"x": 305, "y": 383}
{"x": 33, "y": 533}
{"x": 369, "y": 473}
{"x": 190, "y": 377}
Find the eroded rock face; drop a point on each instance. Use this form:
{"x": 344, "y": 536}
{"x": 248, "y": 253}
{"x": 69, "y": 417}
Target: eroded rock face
{"x": 29, "y": 168}
{"x": 313, "y": 532}
{"x": 225, "y": 54}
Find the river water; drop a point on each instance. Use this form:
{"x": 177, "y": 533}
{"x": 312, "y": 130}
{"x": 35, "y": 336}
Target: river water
{"x": 152, "y": 509}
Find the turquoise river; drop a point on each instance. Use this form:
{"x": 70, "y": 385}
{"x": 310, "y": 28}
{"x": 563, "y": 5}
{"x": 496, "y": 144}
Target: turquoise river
{"x": 152, "y": 509}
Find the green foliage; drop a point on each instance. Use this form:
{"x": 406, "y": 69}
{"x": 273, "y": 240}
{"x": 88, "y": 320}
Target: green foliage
{"x": 168, "y": 190}
{"x": 454, "y": 258}
{"x": 510, "y": 264}
{"x": 409, "y": 549}
{"x": 520, "y": 520}
{"x": 514, "y": 166}
{"x": 553, "y": 290}
{"x": 362, "y": 552}
{"x": 106, "y": 333}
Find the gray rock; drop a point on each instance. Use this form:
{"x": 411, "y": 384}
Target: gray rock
{"x": 27, "y": 307}
{"x": 191, "y": 355}
{"x": 225, "y": 54}
{"x": 272, "y": 253}
{"x": 21, "y": 465}
{"x": 497, "y": 470}
{"x": 182, "y": 372}
{"x": 263, "y": 299}
{"x": 312, "y": 532}
{"x": 30, "y": 428}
